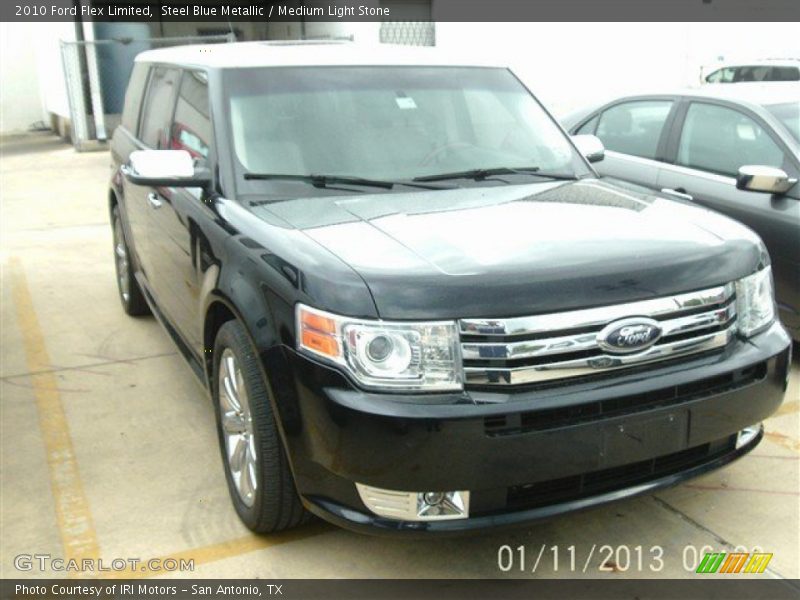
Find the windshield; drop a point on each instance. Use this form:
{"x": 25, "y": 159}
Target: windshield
{"x": 789, "y": 115}
{"x": 391, "y": 123}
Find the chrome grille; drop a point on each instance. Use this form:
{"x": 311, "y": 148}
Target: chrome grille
{"x": 541, "y": 348}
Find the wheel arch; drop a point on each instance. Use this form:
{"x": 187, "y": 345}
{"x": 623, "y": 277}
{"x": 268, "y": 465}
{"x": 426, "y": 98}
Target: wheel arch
{"x": 247, "y": 308}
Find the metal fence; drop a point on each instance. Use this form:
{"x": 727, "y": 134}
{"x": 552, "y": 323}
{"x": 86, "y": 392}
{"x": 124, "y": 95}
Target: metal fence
{"x": 96, "y": 74}
{"x": 411, "y": 33}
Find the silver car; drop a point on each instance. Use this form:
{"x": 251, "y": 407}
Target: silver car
{"x": 733, "y": 149}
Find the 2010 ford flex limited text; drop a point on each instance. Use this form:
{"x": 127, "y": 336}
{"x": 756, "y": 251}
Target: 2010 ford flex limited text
{"x": 414, "y": 305}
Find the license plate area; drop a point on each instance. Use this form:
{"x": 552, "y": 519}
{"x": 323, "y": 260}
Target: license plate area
{"x": 641, "y": 439}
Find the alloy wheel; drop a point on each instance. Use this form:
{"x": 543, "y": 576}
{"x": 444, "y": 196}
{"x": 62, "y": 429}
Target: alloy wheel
{"x": 237, "y": 428}
{"x": 121, "y": 255}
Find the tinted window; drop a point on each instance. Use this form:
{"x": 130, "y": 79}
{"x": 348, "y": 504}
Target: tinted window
{"x": 720, "y": 140}
{"x": 788, "y": 114}
{"x": 191, "y": 128}
{"x": 784, "y": 74}
{"x": 158, "y": 107}
{"x": 634, "y": 127}
{"x": 133, "y": 97}
{"x": 766, "y": 73}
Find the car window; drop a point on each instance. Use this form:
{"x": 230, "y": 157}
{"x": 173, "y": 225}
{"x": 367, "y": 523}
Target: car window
{"x": 158, "y": 107}
{"x": 589, "y": 127}
{"x": 191, "y": 127}
{"x": 721, "y": 76}
{"x": 784, "y": 74}
{"x": 390, "y": 123}
{"x": 634, "y": 127}
{"x": 788, "y": 113}
{"x": 755, "y": 73}
{"x": 133, "y": 97}
{"x": 721, "y": 140}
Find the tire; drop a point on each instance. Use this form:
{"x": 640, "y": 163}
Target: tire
{"x": 252, "y": 450}
{"x": 130, "y": 294}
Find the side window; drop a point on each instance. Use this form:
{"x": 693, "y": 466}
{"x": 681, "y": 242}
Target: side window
{"x": 634, "y": 127}
{"x": 133, "y": 97}
{"x": 720, "y": 140}
{"x": 757, "y": 73}
{"x": 158, "y": 107}
{"x": 191, "y": 128}
{"x": 721, "y": 76}
{"x": 784, "y": 74}
{"x": 589, "y": 127}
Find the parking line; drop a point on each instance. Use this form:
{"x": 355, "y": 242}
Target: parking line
{"x": 214, "y": 552}
{"x": 75, "y": 523}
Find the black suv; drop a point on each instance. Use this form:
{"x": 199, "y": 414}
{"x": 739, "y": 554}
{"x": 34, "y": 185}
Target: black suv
{"x": 414, "y": 305}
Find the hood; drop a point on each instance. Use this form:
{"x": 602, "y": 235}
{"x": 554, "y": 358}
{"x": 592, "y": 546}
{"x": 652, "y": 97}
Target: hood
{"x": 518, "y": 250}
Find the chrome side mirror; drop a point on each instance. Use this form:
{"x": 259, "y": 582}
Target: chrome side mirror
{"x": 590, "y": 147}
{"x": 758, "y": 178}
{"x": 167, "y": 168}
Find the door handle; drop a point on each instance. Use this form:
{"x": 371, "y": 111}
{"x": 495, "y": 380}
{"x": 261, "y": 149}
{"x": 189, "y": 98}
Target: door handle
{"x": 153, "y": 200}
{"x": 678, "y": 193}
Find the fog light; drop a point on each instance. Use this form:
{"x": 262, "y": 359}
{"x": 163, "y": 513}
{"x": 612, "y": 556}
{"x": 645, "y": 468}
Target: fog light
{"x": 433, "y": 498}
{"x": 747, "y": 435}
{"x": 415, "y": 506}
{"x": 442, "y": 505}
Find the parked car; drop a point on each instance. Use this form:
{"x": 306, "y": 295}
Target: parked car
{"x": 753, "y": 71}
{"x": 414, "y": 305}
{"x": 703, "y": 147}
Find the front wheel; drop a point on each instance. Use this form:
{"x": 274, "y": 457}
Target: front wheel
{"x": 130, "y": 294}
{"x": 259, "y": 479}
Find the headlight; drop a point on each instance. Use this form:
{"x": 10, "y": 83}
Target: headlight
{"x": 381, "y": 354}
{"x": 755, "y": 302}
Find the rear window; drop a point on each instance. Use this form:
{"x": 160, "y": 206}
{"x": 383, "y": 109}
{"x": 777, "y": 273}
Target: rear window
{"x": 133, "y": 97}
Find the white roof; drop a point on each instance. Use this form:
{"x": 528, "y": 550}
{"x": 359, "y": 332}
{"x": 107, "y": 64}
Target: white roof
{"x": 761, "y": 93}
{"x": 307, "y": 54}
{"x": 759, "y": 62}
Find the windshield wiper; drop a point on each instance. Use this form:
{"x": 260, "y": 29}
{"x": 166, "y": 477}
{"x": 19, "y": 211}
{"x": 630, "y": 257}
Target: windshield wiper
{"x": 323, "y": 181}
{"x": 481, "y": 174}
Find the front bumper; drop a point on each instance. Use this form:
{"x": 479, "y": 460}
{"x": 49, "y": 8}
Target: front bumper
{"x": 523, "y": 455}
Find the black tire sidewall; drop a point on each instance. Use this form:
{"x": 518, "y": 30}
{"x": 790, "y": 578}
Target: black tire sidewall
{"x": 264, "y": 514}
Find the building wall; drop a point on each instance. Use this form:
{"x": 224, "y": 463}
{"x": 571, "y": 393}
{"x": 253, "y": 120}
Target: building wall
{"x": 20, "y": 97}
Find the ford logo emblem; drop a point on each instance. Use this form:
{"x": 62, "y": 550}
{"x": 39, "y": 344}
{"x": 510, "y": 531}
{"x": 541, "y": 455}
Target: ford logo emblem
{"x": 629, "y": 335}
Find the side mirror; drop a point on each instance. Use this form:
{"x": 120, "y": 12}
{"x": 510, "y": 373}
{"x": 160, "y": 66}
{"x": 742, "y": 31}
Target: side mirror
{"x": 167, "y": 168}
{"x": 757, "y": 178}
{"x": 590, "y": 147}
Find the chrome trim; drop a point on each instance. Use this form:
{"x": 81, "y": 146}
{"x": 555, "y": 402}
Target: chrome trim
{"x": 596, "y": 364}
{"x": 748, "y": 434}
{"x": 528, "y": 349}
{"x": 651, "y": 327}
{"x": 595, "y": 317}
{"x": 587, "y": 341}
{"x": 408, "y": 506}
